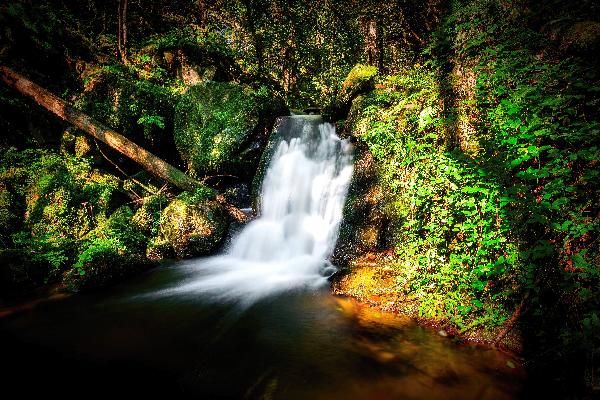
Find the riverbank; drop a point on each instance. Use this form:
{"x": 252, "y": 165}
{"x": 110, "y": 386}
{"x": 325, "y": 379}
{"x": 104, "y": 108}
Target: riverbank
{"x": 371, "y": 283}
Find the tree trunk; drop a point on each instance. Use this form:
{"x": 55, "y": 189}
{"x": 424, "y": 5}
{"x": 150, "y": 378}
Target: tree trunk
{"x": 64, "y": 110}
{"x": 371, "y": 41}
{"x": 122, "y": 31}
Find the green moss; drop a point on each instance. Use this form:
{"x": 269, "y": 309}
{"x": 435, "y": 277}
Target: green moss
{"x": 147, "y": 216}
{"x": 220, "y": 127}
{"x": 360, "y": 79}
{"x": 114, "y": 249}
{"x": 363, "y": 227}
{"x": 65, "y": 213}
{"x": 263, "y": 165}
{"x": 135, "y": 105}
{"x": 487, "y": 157}
{"x": 191, "y": 225}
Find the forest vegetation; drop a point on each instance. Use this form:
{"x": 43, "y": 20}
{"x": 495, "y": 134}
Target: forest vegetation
{"x": 474, "y": 204}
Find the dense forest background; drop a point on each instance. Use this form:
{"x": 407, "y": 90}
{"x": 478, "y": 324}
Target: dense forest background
{"x": 475, "y": 199}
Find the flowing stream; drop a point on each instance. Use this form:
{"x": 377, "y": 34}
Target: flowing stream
{"x": 257, "y": 322}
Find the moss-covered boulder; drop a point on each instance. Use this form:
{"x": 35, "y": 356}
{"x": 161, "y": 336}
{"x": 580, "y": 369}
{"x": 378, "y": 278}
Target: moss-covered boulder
{"x": 364, "y": 228}
{"x": 147, "y": 216}
{"x": 135, "y": 106}
{"x": 360, "y": 79}
{"x": 222, "y": 128}
{"x": 280, "y": 125}
{"x": 191, "y": 225}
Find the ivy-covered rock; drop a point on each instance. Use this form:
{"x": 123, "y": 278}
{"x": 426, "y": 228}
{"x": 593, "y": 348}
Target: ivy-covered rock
{"x": 222, "y": 128}
{"x": 191, "y": 225}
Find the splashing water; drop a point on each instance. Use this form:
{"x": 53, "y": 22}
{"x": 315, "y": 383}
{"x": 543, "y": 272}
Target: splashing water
{"x": 288, "y": 245}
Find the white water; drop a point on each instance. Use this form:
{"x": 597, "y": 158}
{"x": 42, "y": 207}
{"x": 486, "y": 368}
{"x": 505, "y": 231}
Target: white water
{"x": 288, "y": 245}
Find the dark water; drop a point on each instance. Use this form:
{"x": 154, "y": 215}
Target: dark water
{"x": 302, "y": 345}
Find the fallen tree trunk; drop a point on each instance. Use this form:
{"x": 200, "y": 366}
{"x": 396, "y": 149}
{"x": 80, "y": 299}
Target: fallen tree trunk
{"x": 64, "y": 110}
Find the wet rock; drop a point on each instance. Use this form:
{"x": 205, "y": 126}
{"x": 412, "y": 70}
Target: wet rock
{"x": 278, "y": 126}
{"x": 364, "y": 225}
{"x": 238, "y": 195}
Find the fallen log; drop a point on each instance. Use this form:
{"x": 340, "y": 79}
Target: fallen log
{"x": 64, "y": 110}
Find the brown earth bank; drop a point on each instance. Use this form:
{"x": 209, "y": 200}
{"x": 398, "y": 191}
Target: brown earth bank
{"x": 371, "y": 283}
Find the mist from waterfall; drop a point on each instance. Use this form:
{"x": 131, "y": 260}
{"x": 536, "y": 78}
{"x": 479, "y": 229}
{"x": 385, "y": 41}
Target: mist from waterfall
{"x": 288, "y": 245}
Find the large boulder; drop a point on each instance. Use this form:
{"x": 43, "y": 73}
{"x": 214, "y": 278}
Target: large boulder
{"x": 360, "y": 80}
{"x": 364, "y": 228}
{"x": 222, "y": 128}
{"x": 191, "y": 225}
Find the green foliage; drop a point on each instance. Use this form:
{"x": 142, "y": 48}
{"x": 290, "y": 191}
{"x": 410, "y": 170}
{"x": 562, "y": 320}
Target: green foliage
{"x": 134, "y": 104}
{"x": 68, "y": 217}
{"x": 218, "y": 126}
{"x": 98, "y": 251}
{"x": 116, "y": 245}
{"x": 444, "y": 211}
{"x": 476, "y": 230}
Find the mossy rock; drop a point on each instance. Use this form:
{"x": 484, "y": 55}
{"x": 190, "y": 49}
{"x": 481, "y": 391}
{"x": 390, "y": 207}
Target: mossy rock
{"x": 364, "y": 225}
{"x": 222, "y": 128}
{"x": 147, "y": 216}
{"x": 115, "y": 249}
{"x": 279, "y": 125}
{"x": 191, "y": 226}
{"x": 103, "y": 262}
{"x": 360, "y": 80}
{"x": 351, "y": 123}
{"x": 137, "y": 108}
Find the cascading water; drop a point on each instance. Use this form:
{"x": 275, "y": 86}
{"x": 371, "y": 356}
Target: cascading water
{"x": 289, "y": 244}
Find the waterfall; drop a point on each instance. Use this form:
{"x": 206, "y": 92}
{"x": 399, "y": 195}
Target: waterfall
{"x": 288, "y": 245}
